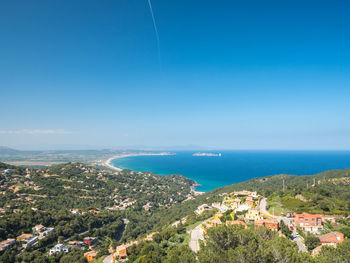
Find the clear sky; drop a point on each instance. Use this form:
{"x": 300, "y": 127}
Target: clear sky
{"x": 231, "y": 75}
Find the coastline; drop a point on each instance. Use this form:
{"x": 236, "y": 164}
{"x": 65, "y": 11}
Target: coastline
{"x": 108, "y": 164}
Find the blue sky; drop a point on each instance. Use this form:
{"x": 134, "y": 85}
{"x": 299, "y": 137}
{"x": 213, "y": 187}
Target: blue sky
{"x": 232, "y": 75}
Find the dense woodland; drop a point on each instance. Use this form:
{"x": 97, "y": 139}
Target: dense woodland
{"x": 232, "y": 244}
{"x": 97, "y": 195}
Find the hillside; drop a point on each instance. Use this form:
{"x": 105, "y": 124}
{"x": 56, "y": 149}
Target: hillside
{"x": 327, "y": 192}
{"x": 74, "y": 198}
{"x": 79, "y": 200}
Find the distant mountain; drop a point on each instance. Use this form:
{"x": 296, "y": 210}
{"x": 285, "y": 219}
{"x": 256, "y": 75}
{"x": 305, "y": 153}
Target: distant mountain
{"x": 8, "y": 151}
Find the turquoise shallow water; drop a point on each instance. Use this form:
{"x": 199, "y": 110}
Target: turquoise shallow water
{"x": 237, "y": 166}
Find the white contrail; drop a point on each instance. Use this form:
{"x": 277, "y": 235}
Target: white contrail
{"x": 156, "y": 31}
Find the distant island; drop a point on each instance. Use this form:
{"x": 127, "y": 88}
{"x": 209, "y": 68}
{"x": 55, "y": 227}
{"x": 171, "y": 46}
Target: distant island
{"x": 206, "y": 154}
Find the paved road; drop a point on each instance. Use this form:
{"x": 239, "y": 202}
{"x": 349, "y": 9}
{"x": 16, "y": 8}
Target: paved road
{"x": 262, "y": 206}
{"x": 287, "y": 221}
{"x": 108, "y": 259}
{"x": 196, "y": 234}
{"x": 299, "y": 240}
{"x": 300, "y": 243}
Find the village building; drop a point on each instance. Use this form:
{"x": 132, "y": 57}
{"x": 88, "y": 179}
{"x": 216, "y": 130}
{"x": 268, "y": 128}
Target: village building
{"x": 32, "y": 241}
{"x": 90, "y": 256}
{"x": 242, "y": 208}
{"x": 331, "y": 239}
{"x": 24, "y": 237}
{"x": 271, "y": 224}
{"x": 202, "y": 208}
{"x": 47, "y": 232}
{"x": 212, "y": 223}
{"x": 122, "y": 252}
{"x": 78, "y": 244}
{"x": 59, "y": 248}
{"x": 7, "y": 244}
{"x": 236, "y": 203}
{"x": 38, "y": 229}
{"x": 236, "y": 222}
{"x": 75, "y": 211}
{"x": 249, "y": 201}
{"x": 253, "y": 214}
{"x": 308, "y": 222}
{"x": 90, "y": 241}
{"x": 147, "y": 206}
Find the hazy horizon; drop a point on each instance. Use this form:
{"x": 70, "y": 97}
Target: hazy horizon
{"x": 224, "y": 75}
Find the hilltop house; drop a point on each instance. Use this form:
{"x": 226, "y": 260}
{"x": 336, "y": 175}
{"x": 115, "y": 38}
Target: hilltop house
{"x": 122, "y": 252}
{"x": 38, "y": 229}
{"x": 236, "y": 222}
{"x": 243, "y": 207}
{"x": 90, "y": 241}
{"x": 331, "y": 239}
{"x": 47, "y": 232}
{"x": 24, "y": 237}
{"x": 308, "y": 222}
{"x": 271, "y": 224}
{"x": 249, "y": 201}
{"x": 90, "y": 256}
{"x": 59, "y": 248}
{"x": 202, "y": 208}
{"x": 253, "y": 214}
{"x": 7, "y": 243}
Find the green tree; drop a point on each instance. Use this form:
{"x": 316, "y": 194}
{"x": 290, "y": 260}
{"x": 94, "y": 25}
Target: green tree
{"x": 311, "y": 242}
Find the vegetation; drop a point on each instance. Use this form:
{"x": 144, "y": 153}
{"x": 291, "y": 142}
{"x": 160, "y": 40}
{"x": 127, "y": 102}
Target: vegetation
{"x": 103, "y": 199}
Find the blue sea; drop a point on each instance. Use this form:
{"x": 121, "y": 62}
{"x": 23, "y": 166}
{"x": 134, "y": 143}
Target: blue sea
{"x": 237, "y": 166}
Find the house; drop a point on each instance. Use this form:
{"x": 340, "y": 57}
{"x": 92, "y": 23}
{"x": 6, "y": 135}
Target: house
{"x": 242, "y": 208}
{"x": 253, "y": 214}
{"x": 90, "y": 256}
{"x": 78, "y": 244}
{"x": 47, "y": 232}
{"x": 249, "y": 201}
{"x": 212, "y": 222}
{"x": 75, "y": 211}
{"x": 236, "y": 222}
{"x": 24, "y": 237}
{"x": 90, "y": 241}
{"x": 38, "y": 229}
{"x": 242, "y": 193}
{"x": 308, "y": 222}
{"x": 59, "y": 248}
{"x": 122, "y": 252}
{"x": 332, "y": 238}
{"x": 32, "y": 241}
{"x": 271, "y": 224}
{"x": 236, "y": 203}
{"x": 202, "y": 208}
{"x": 147, "y": 206}
{"x": 221, "y": 207}
{"x": 7, "y": 243}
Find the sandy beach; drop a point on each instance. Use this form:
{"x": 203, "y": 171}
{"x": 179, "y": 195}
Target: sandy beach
{"x": 107, "y": 163}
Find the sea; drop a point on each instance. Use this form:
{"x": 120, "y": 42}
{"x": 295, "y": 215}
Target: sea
{"x": 236, "y": 166}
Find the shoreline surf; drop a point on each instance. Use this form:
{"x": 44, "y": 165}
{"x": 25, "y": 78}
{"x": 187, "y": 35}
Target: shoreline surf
{"x": 108, "y": 164}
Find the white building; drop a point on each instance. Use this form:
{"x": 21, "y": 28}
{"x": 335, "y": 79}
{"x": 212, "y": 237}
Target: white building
{"x": 59, "y": 248}
{"x": 243, "y": 207}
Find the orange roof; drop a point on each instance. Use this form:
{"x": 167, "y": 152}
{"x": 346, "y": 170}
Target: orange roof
{"x": 91, "y": 253}
{"x": 236, "y": 222}
{"x": 332, "y": 237}
{"x": 308, "y": 215}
